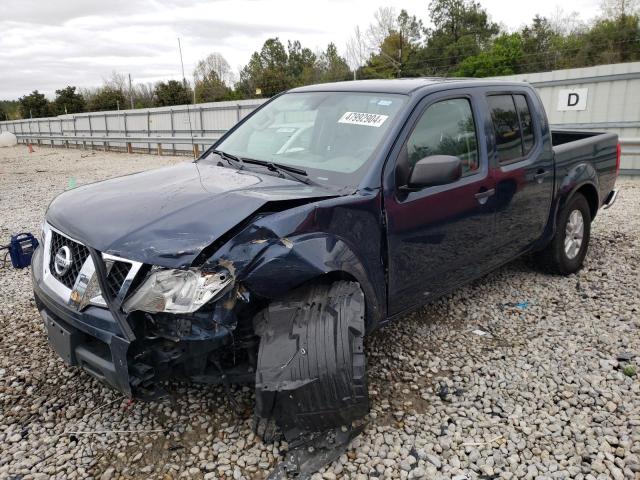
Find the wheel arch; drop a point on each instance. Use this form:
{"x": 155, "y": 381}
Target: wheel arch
{"x": 579, "y": 178}
{"x": 320, "y": 259}
{"x": 568, "y": 189}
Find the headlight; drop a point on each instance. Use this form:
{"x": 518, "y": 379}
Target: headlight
{"x": 177, "y": 291}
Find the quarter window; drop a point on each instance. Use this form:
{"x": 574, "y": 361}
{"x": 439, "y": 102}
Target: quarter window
{"x": 446, "y": 128}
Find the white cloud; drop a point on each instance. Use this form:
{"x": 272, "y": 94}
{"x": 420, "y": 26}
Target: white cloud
{"x": 46, "y": 44}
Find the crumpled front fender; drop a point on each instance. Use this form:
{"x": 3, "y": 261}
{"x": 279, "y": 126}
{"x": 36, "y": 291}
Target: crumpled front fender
{"x": 281, "y": 251}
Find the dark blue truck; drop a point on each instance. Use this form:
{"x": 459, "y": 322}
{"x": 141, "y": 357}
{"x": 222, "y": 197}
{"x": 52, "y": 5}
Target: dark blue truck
{"x": 329, "y": 211}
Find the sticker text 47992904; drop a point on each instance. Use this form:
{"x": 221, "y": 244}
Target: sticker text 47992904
{"x": 366, "y": 119}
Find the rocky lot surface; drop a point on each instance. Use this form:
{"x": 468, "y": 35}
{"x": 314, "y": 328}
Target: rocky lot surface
{"x": 519, "y": 375}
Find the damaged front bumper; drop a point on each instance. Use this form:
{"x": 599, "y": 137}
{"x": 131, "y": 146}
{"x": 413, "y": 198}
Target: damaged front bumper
{"x": 86, "y": 339}
{"x": 149, "y": 349}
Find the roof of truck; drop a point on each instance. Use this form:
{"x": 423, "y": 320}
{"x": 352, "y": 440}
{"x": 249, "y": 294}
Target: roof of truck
{"x": 397, "y": 85}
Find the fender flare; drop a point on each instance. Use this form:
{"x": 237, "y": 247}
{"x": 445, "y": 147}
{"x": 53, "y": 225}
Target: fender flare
{"x": 576, "y": 178}
{"x": 579, "y": 176}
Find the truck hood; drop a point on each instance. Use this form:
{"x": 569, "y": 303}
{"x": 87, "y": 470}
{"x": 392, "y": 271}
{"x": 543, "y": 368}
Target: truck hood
{"x": 167, "y": 216}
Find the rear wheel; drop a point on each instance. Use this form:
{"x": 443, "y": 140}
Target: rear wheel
{"x": 566, "y": 252}
{"x": 311, "y": 372}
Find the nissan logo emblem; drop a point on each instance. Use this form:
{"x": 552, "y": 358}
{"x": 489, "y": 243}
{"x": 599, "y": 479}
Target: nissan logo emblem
{"x": 63, "y": 260}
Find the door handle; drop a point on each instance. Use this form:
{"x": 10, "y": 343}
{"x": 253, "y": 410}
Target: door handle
{"x": 484, "y": 195}
{"x": 539, "y": 177}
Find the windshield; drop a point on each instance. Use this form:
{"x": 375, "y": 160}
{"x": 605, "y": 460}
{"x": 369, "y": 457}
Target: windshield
{"x": 330, "y": 135}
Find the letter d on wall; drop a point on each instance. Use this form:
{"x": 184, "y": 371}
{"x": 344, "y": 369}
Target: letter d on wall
{"x": 572, "y": 99}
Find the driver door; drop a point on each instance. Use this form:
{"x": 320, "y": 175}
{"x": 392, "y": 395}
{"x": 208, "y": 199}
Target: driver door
{"x": 439, "y": 236}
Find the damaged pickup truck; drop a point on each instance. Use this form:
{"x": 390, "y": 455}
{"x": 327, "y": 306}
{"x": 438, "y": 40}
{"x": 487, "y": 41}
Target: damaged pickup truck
{"x": 329, "y": 211}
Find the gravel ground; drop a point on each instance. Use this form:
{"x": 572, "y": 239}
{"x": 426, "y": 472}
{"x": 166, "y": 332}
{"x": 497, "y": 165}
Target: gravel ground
{"x": 548, "y": 392}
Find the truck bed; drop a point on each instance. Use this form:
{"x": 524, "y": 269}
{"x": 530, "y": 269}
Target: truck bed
{"x": 572, "y": 143}
{"x": 575, "y": 151}
{"x": 561, "y": 137}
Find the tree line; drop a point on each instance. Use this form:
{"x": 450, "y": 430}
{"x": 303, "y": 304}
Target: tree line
{"x": 462, "y": 41}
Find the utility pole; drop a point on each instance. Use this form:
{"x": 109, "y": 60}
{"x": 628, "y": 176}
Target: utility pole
{"x": 130, "y": 92}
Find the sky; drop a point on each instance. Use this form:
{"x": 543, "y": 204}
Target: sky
{"x": 49, "y": 44}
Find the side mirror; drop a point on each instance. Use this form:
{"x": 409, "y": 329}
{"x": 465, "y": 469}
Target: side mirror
{"x": 435, "y": 170}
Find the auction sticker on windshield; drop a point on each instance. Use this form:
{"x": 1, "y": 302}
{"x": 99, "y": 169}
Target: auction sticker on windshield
{"x": 366, "y": 119}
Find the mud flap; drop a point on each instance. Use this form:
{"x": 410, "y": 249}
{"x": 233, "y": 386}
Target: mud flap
{"x": 311, "y": 375}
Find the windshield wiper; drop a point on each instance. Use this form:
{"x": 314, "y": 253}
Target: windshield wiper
{"x": 295, "y": 173}
{"x": 232, "y": 159}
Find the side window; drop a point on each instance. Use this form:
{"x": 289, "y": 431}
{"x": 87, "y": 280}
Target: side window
{"x": 506, "y": 127}
{"x": 446, "y": 128}
{"x": 525, "y": 123}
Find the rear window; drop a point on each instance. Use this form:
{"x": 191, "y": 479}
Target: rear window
{"x": 506, "y": 127}
{"x": 512, "y": 125}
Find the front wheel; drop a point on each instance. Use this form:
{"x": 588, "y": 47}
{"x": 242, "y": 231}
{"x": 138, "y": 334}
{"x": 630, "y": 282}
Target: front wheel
{"x": 566, "y": 252}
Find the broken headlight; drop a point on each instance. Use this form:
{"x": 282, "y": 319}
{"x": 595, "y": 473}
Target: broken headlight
{"x": 177, "y": 291}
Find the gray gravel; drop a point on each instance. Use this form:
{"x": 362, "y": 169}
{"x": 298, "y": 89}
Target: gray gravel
{"x": 549, "y": 391}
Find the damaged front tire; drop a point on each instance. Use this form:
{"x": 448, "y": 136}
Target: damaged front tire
{"x": 311, "y": 372}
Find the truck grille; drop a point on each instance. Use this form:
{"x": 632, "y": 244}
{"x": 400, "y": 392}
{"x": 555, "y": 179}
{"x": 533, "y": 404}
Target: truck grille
{"x": 79, "y": 254}
{"x": 75, "y": 280}
{"x": 116, "y": 277}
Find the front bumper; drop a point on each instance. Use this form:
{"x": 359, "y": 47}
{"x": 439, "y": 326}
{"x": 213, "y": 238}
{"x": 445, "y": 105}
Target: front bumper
{"x": 161, "y": 347}
{"x": 90, "y": 338}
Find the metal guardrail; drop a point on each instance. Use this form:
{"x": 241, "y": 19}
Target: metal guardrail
{"x": 127, "y": 139}
{"x": 143, "y": 129}
{"x": 129, "y": 142}
{"x": 630, "y": 146}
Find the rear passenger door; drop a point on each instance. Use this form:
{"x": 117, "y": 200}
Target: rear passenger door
{"x": 523, "y": 173}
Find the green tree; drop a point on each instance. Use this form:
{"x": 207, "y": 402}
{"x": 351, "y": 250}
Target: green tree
{"x": 143, "y": 95}
{"x": 461, "y": 29}
{"x": 10, "y": 109}
{"x": 502, "y": 58}
{"x": 613, "y": 40}
{"x": 107, "y": 98}
{"x": 302, "y": 64}
{"x": 541, "y": 46}
{"x": 34, "y": 105}
{"x": 212, "y": 78}
{"x": 266, "y": 72}
{"x": 211, "y": 89}
{"x": 68, "y": 101}
{"x": 395, "y": 55}
{"x": 172, "y": 92}
{"x": 333, "y": 67}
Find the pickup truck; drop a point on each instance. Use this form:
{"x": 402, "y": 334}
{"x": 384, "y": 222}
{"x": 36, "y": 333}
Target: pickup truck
{"x": 329, "y": 211}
